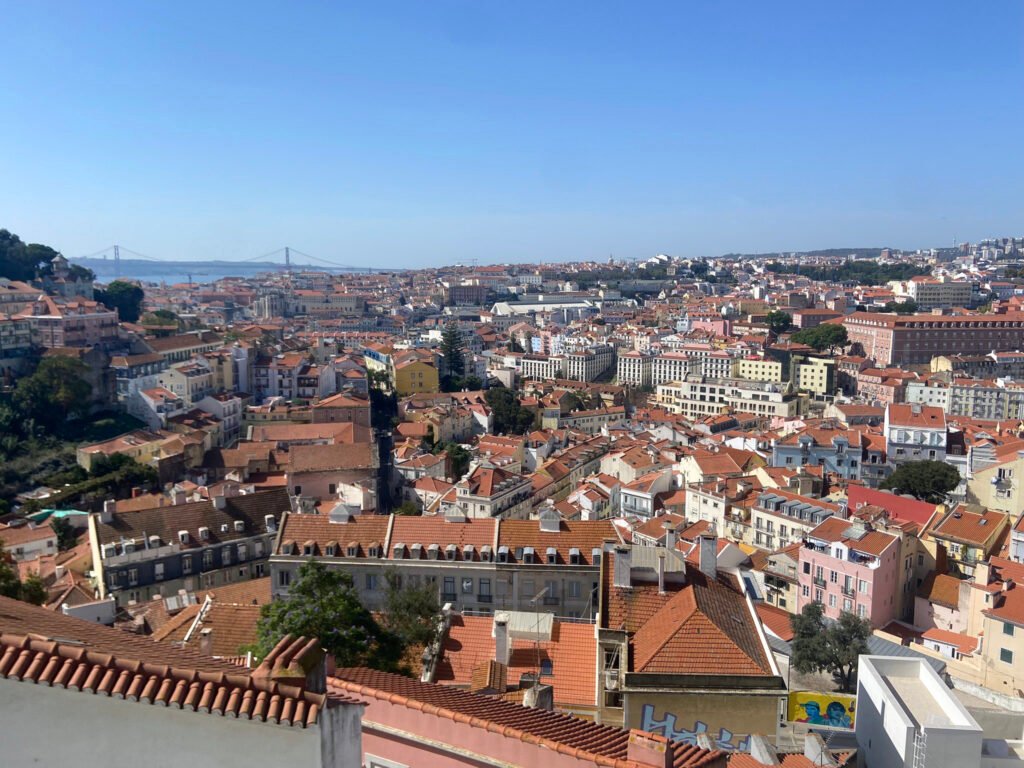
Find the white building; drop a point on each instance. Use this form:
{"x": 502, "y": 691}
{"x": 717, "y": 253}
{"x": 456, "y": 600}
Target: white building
{"x": 634, "y": 369}
{"x": 906, "y": 716}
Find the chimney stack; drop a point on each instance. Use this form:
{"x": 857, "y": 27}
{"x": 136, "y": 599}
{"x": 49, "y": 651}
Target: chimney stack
{"x": 107, "y": 515}
{"x": 670, "y": 535}
{"x": 662, "y": 554}
{"x": 501, "y": 650}
{"x": 623, "y": 567}
{"x": 707, "y": 554}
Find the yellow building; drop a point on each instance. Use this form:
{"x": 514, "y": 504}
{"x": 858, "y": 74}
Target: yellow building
{"x": 415, "y": 376}
{"x": 757, "y": 369}
{"x": 816, "y": 375}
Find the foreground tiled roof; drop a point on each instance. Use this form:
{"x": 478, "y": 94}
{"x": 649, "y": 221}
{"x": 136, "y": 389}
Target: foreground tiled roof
{"x": 602, "y": 744}
{"x": 46, "y": 648}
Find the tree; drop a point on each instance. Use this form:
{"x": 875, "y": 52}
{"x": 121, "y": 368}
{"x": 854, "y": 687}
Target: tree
{"x": 458, "y": 460}
{"x": 66, "y": 536}
{"x": 778, "y": 321}
{"x": 323, "y": 603}
{"x": 907, "y": 307}
{"x": 451, "y": 348}
{"x": 407, "y": 508}
{"x": 56, "y": 391}
{"x": 125, "y": 297}
{"x": 21, "y": 261}
{"x": 510, "y": 417}
{"x": 929, "y": 481}
{"x": 829, "y": 646}
{"x": 824, "y": 336}
{"x": 32, "y": 590}
{"x": 410, "y": 612}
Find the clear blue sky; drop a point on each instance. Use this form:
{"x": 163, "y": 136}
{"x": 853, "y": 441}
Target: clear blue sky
{"x": 430, "y": 132}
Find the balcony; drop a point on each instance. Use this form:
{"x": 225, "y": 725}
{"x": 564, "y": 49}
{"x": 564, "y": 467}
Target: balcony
{"x": 819, "y": 582}
{"x": 484, "y": 598}
{"x": 550, "y": 601}
{"x": 448, "y": 597}
{"x": 848, "y": 591}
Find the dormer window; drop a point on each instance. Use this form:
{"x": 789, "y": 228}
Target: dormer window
{"x": 595, "y": 555}
{"x": 552, "y": 556}
{"x": 574, "y": 556}
{"x": 449, "y": 552}
{"x": 417, "y": 551}
{"x": 331, "y": 550}
{"x": 528, "y": 556}
{"x": 398, "y": 551}
{"x": 374, "y": 550}
{"x": 485, "y": 553}
{"x": 432, "y": 551}
{"x": 502, "y": 554}
{"x": 352, "y": 549}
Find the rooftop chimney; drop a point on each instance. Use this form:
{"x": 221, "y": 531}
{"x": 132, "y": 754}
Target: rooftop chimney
{"x": 623, "y": 558}
{"x": 501, "y": 650}
{"x": 762, "y": 751}
{"x": 107, "y": 515}
{"x": 649, "y": 749}
{"x": 662, "y": 554}
{"x": 670, "y": 535}
{"x": 206, "y": 642}
{"x": 707, "y": 555}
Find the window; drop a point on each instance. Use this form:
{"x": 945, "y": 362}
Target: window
{"x": 574, "y": 589}
{"x": 862, "y": 586}
{"x": 806, "y": 590}
{"x": 484, "y": 595}
{"x": 186, "y": 563}
{"x": 298, "y": 490}
{"x": 920, "y": 559}
{"x": 1008, "y": 629}
{"x": 371, "y": 582}
{"x": 467, "y": 586}
{"x": 1006, "y": 655}
{"x": 862, "y": 611}
{"x": 225, "y": 555}
{"x": 133, "y": 576}
{"x": 243, "y": 552}
{"x": 284, "y": 578}
{"x": 831, "y": 601}
{"x": 158, "y": 572}
{"x": 257, "y": 549}
{"x": 449, "y": 588}
{"x": 207, "y": 559}
{"x": 834, "y": 577}
{"x": 807, "y": 568}
{"x": 818, "y": 595}
{"x": 331, "y": 488}
{"x": 847, "y": 605}
{"x": 258, "y": 571}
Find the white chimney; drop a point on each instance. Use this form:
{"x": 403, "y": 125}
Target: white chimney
{"x": 670, "y": 535}
{"x": 501, "y": 650}
{"x": 107, "y": 515}
{"x": 662, "y": 554}
{"x": 623, "y": 560}
{"x": 707, "y": 555}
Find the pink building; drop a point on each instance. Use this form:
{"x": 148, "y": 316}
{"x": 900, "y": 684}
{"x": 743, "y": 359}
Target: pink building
{"x": 846, "y": 565}
{"x": 408, "y": 723}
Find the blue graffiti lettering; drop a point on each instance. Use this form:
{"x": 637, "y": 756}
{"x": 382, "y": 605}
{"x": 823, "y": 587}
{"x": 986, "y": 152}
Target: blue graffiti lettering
{"x": 668, "y": 727}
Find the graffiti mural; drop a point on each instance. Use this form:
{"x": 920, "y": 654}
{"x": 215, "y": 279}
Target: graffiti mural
{"x": 668, "y": 727}
{"x": 835, "y": 710}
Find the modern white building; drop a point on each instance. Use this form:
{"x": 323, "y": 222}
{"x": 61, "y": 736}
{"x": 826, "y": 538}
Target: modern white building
{"x": 906, "y": 716}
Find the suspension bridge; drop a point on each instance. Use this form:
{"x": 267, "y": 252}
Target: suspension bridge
{"x": 280, "y": 257}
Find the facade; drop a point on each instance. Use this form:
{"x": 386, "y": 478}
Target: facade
{"x": 60, "y": 322}
{"x": 634, "y": 369}
{"x": 589, "y": 364}
{"x": 841, "y": 453}
{"x": 914, "y": 433}
{"x": 542, "y": 367}
{"x": 969, "y": 538}
{"x": 998, "y": 400}
{"x": 846, "y": 565}
{"x": 696, "y": 397}
{"x": 909, "y": 339}
{"x": 931, "y": 293}
{"x": 191, "y": 546}
{"x": 781, "y": 518}
{"x": 757, "y": 369}
{"x": 489, "y": 492}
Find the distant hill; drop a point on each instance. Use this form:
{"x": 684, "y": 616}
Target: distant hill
{"x": 821, "y": 253}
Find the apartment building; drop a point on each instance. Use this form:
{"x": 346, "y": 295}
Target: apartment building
{"x": 190, "y": 545}
{"x": 988, "y": 400}
{"x": 914, "y": 433}
{"x": 696, "y": 397}
{"x": 782, "y": 518}
{"x": 846, "y": 565}
{"x": 489, "y": 492}
{"x": 673, "y": 366}
{"x": 589, "y": 364}
{"x": 542, "y": 367}
{"x": 479, "y": 565}
{"x": 60, "y": 322}
{"x": 635, "y": 369}
{"x": 938, "y": 293}
{"x": 757, "y": 369}
{"x": 969, "y": 537}
{"x": 191, "y": 380}
{"x": 910, "y": 339}
{"x": 839, "y": 452}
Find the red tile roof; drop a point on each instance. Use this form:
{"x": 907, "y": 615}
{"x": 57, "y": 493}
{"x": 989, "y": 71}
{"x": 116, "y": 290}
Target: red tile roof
{"x": 43, "y": 647}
